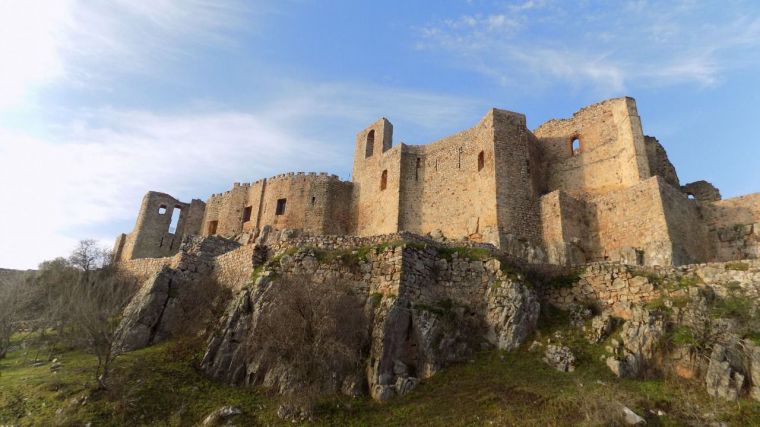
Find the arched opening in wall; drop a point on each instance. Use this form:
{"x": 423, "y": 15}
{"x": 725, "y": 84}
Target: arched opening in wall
{"x": 370, "y": 144}
{"x": 575, "y": 146}
{"x": 481, "y": 161}
{"x": 691, "y": 196}
{"x": 417, "y": 170}
{"x": 175, "y": 219}
{"x": 313, "y": 200}
{"x": 384, "y": 180}
{"x": 162, "y": 210}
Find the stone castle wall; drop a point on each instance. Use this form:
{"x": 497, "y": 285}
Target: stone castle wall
{"x": 617, "y": 287}
{"x": 611, "y": 153}
{"x": 616, "y": 197}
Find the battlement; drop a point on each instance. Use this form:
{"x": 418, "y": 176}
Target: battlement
{"x": 586, "y": 188}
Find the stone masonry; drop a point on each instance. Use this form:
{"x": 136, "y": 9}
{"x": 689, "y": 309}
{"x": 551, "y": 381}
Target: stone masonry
{"x": 590, "y": 188}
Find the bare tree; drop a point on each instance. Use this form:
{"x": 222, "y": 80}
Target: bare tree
{"x": 88, "y": 256}
{"x": 317, "y": 334}
{"x": 10, "y": 302}
{"x": 96, "y": 303}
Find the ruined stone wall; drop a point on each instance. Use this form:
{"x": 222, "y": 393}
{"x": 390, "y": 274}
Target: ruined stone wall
{"x": 659, "y": 164}
{"x": 445, "y": 186}
{"x": 702, "y": 191}
{"x": 377, "y": 180}
{"x": 616, "y": 287}
{"x": 316, "y": 203}
{"x": 143, "y": 268}
{"x": 612, "y": 152}
{"x": 152, "y": 237}
{"x": 734, "y": 226}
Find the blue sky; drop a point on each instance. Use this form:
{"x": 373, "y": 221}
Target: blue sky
{"x": 101, "y": 101}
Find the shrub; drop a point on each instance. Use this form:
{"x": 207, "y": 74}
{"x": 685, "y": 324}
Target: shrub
{"x": 739, "y": 266}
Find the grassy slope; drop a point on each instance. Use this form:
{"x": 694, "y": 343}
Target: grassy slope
{"x": 158, "y": 386}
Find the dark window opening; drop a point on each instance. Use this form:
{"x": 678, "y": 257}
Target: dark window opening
{"x": 280, "y": 206}
{"x": 459, "y": 159}
{"x": 161, "y": 243}
{"x": 370, "y": 147}
{"x": 417, "y": 170}
{"x": 384, "y": 180}
{"x": 527, "y": 166}
{"x": 162, "y": 210}
{"x": 175, "y": 219}
{"x": 481, "y": 161}
{"x": 247, "y": 213}
{"x": 436, "y": 165}
{"x": 313, "y": 200}
{"x": 211, "y": 228}
{"x": 575, "y": 146}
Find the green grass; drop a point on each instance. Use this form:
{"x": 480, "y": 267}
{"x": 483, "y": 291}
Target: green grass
{"x": 564, "y": 280}
{"x": 740, "y": 266}
{"x": 472, "y": 254}
{"x": 159, "y": 386}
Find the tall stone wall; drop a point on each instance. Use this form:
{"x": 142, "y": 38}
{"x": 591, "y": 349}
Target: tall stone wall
{"x": 377, "y": 180}
{"x": 687, "y": 231}
{"x": 611, "y": 155}
{"x": 516, "y": 198}
{"x": 449, "y": 185}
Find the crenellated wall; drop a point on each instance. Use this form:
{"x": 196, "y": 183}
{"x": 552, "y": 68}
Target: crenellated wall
{"x": 615, "y": 196}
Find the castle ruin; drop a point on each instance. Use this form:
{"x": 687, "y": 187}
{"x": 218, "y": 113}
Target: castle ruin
{"x": 585, "y": 189}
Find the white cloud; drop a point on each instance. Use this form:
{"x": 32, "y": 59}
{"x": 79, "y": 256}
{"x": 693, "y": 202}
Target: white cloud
{"x": 605, "y": 48}
{"x": 94, "y": 168}
{"x": 83, "y": 41}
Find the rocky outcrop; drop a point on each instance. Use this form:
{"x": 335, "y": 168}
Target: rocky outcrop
{"x": 426, "y": 310}
{"x": 511, "y": 314}
{"x": 560, "y": 358}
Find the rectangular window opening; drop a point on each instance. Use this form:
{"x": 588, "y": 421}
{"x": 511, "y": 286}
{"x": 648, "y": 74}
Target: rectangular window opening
{"x": 280, "y": 206}
{"x": 212, "y": 227}
{"x": 175, "y": 219}
{"x": 247, "y": 213}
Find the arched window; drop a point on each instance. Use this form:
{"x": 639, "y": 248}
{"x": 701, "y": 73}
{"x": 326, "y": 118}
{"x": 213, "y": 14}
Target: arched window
{"x": 370, "y": 144}
{"x": 690, "y": 196}
{"x": 575, "y": 146}
{"x": 481, "y": 161}
{"x": 384, "y": 180}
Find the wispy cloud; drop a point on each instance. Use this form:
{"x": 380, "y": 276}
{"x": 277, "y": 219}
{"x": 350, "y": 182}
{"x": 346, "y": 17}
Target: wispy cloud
{"x": 97, "y": 164}
{"x": 83, "y": 42}
{"x": 607, "y": 48}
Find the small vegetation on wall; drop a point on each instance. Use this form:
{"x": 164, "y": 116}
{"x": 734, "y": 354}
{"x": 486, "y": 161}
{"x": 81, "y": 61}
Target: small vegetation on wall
{"x": 739, "y": 266}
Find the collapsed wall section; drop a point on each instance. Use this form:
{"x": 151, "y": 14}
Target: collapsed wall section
{"x": 161, "y": 225}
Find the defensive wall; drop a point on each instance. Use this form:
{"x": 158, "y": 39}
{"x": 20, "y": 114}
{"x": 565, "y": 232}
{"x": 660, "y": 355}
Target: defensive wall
{"x": 589, "y": 188}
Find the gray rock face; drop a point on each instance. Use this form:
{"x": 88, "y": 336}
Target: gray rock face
{"x": 753, "y": 359}
{"x": 723, "y": 379}
{"x": 601, "y": 327}
{"x": 142, "y": 322}
{"x": 560, "y": 358}
{"x": 220, "y": 415}
{"x": 511, "y": 315}
{"x": 641, "y": 336}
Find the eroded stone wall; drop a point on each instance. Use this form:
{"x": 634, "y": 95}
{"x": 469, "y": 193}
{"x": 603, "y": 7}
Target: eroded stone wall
{"x": 734, "y": 226}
